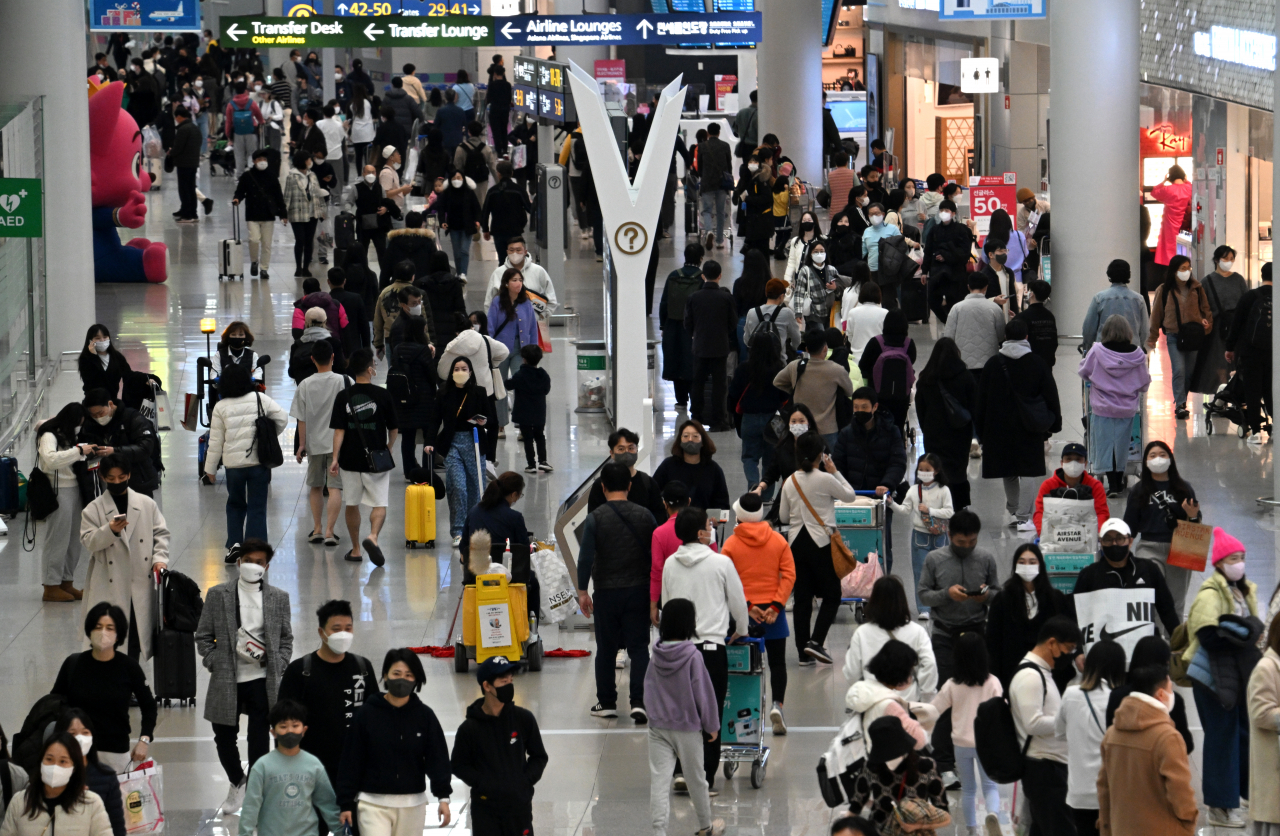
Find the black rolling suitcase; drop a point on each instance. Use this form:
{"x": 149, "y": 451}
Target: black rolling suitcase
{"x": 344, "y": 230}
{"x": 175, "y": 659}
{"x": 915, "y": 300}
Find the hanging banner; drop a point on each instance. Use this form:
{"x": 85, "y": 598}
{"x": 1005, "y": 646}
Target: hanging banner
{"x": 319, "y": 31}
{"x": 144, "y": 15}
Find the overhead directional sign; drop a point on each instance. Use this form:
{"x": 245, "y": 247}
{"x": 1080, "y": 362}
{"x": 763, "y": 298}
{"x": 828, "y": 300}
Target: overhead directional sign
{"x": 335, "y": 31}
{"x": 584, "y": 30}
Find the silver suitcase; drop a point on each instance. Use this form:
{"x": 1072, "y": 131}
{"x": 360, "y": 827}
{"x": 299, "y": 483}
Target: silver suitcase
{"x": 231, "y": 251}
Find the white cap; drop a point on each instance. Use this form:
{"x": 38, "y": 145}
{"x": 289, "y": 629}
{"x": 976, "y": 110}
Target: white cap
{"x": 388, "y": 151}
{"x": 1114, "y": 524}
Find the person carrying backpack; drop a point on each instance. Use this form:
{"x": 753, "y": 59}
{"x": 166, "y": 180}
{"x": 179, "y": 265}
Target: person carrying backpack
{"x": 1248, "y": 344}
{"x": 888, "y": 363}
{"x": 475, "y": 159}
{"x": 241, "y": 125}
{"x": 775, "y": 319}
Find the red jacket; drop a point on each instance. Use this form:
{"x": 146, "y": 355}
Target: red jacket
{"x": 1057, "y": 481}
{"x": 241, "y": 99}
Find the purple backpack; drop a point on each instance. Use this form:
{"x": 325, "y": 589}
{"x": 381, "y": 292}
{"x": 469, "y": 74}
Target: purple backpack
{"x": 893, "y": 375}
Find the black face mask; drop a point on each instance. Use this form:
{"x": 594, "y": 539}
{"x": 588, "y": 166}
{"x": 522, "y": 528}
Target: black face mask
{"x": 1115, "y": 554}
{"x": 806, "y": 226}
{"x": 962, "y": 552}
{"x": 288, "y": 741}
{"x": 118, "y": 488}
{"x": 236, "y": 342}
{"x": 1001, "y": 258}
{"x": 506, "y": 694}
{"x": 400, "y": 687}
{"x": 625, "y": 459}
{"x": 863, "y": 418}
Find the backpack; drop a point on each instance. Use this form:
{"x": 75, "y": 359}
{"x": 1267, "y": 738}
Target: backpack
{"x": 399, "y": 385}
{"x": 996, "y": 736}
{"x": 893, "y": 375}
{"x": 300, "y": 365}
{"x": 1257, "y": 328}
{"x": 29, "y": 741}
{"x": 475, "y": 166}
{"x": 842, "y": 761}
{"x": 182, "y": 602}
{"x": 579, "y": 153}
{"x": 242, "y": 120}
{"x": 769, "y": 327}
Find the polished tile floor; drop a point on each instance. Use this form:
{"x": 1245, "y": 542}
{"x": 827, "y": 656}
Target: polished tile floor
{"x": 597, "y": 782}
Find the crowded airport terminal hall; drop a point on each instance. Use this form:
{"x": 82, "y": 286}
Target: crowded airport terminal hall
{"x": 638, "y": 417}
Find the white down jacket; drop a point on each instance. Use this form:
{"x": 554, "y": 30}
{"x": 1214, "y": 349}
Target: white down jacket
{"x": 470, "y": 344}
{"x": 231, "y": 430}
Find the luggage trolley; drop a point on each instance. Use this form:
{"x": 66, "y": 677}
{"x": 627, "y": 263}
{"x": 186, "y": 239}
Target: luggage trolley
{"x": 1133, "y": 465}
{"x": 741, "y": 721}
{"x": 862, "y": 529}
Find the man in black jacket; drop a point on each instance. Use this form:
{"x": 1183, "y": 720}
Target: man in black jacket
{"x": 869, "y": 453}
{"x": 370, "y": 201}
{"x": 414, "y": 243}
{"x": 184, "y": 156}
{"x": 498, "y": 752}
{"x": 623, "y": 447}
{"x": 122, "y": 431}
{"x": 947, "y": 248}
{"x": 711, "y": 319}
{"x": 1250, "y": 338}
{"x": 357, "y": 333}
{"x": 1119, "y": 569}
{"x": 498, "y": 97}
{"x": 715, "y": 164}
{"x": 1042, "y": 326}
{"x": 260, "y": 191}
{"x": 506, "y": 209}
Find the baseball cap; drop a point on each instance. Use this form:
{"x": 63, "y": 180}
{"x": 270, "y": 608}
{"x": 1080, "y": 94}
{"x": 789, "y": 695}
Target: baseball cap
{"x": 1074, "y": 448}
{"x": 494, "y": 667}
{"x": 1114, "y": 524}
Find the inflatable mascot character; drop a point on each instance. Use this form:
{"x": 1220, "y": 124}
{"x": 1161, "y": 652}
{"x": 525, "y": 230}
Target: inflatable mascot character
{"x": 119, "y": 192}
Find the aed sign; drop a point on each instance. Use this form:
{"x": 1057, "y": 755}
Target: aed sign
{"x": 21, "y": 207}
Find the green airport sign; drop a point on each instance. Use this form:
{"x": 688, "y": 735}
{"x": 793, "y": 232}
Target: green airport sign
{"x": 319, "y": 31}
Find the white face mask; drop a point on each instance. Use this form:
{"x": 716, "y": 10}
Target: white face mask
{"x": 370, "y": 178}
{"x": 876, "y": 220}
{"x": 461, "y": 378}
{"x": 394, "y": 166}
{"x": 339, "y": 642}
{"x": 199, "y": 84}
{"x": 55, "y": 776}
{"x": 1073, "y": 469}
{"x": 753, "y": 167}
{"x": 102, "y": 346}
{"x": 1233, "y": 571}
{"x": 926, "y": 476}
{"x": 103, "y": 639}
{"x": 516, "y": 258}
{"x": 257, "y": 88}
{"x": 251, "y": 572}
{"x": 893, "y": 764}
{"x": 103, "y": 419}
{"x": 85, "y": 741}
{"x": 415, "y": 310}
{"x": 798, "y": 429}
{"x": 1226, "y": 265}
{"x": 864, "y": 200}
{"x": 819, "y": 258}
{"x": 1160, "y": 464}
{"x": 1168, "y": 700}
{"x": 457, "y": 184}
{"x": 1184, "y": 275}
{"x": 261, "y": 165}
{"x": 1027, "y": 573}
{"x": 945, "y": 217}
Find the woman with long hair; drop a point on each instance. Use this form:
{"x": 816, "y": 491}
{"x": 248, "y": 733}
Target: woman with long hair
{"x": 749, "y": 291}
{"x": 364, "y": 127}
{"x": 894, "y": 391}
{"x": 755, "y": 189}
{"x": 971, "y": 686}
{"x": 817, "y": 286}
{"x": 58, "y": 534}
{"x": 98, "y": 777}
{"x": 888, "y": 617}
{"x": 101, "y": 364}
{"x": 461, "y": 403}
{"x": 1080, "y": 721}
{"x": 1025, "y": 602}
{"x": 782, "y": 463}
{"x": 496, "y": 514}
{"x": 515, "y": 325}
{"x": 808, "y": 231}
{"x": 57, "y": 791}
{"x": 1155, "y": 505}
{"x": 434, "y": 161}
{"x": 1181, "y": 308}
{"x": 1151, "y": 650}
{"x": 1015, "y": 243}
{"x": 304, "y": 205}
{"x": 691, "y": 462}
{"x": 945, "y": 396}
{"x": 466, "y": 92}
{"x": 754, "y": 400}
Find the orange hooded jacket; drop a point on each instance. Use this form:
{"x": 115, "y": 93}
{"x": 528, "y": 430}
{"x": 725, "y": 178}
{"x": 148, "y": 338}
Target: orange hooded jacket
{"x": 764, "y": 563}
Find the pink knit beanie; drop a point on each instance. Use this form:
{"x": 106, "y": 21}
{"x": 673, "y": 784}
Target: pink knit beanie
{"x": 1223, "y": 545}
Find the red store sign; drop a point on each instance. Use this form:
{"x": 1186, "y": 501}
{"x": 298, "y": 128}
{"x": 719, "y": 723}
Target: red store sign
{"x": 1163, "y": 141}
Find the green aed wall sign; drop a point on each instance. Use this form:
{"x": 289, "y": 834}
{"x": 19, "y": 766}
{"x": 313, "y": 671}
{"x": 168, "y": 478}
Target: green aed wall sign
{"x": 21, "y": 207}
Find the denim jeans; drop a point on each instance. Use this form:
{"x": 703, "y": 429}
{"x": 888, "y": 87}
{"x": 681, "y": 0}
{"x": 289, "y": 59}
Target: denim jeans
{"x": 967, "y": 761}
{"x": 922, "y": 542}
{"x": 461, "y": 242}
{"x": 1226, "y": 749}
{"x": 757, "y": 453}
{"x": 1180, "y": 364}
{"x": 461, "y": 480}
{"x": 247, "y": 503}
{"x": 712, "y": 200}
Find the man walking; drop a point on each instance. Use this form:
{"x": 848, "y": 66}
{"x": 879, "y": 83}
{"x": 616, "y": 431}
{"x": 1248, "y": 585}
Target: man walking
{"x": 313, "y": 408}
{"x": 869, "y": 454}
{"x": 498, "y": 98}
{"x": 365, "y": 430}
{"x": 184, "y": 156}
{"x": 715, "y": 163}
{"x": 264, "y": 203}
{"x": 816, "y": 382}
{"x": 615, "y": 553}
{"x": 504, "y": 216}
{"x": 711, "y": 319}
{"x": 976, "y": 323}
{"x": 241, "y": 126}
{"x": 1117, "y": 299}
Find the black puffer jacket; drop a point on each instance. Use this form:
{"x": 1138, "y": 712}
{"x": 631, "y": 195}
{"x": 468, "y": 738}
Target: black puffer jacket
{"x": 416, "y": 245}
{"x": 133, "y": 437}
{"x": 869, "y": 459}
{"x": 459, "y": 209}
{"x": 443, "y": 292}
{"x": 1232, "y": 647}
{"x": 417, "y": 363}
{"x": 1008, "y": 448}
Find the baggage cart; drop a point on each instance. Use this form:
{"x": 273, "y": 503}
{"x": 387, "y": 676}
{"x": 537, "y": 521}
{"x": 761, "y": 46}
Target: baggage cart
{"x": 862, "y": 529}
{"x": 742, "y": 719}
{"x": 1133, "y": 466}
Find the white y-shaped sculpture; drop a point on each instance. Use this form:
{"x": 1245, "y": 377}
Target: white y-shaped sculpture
{"x": 630, "y": 213}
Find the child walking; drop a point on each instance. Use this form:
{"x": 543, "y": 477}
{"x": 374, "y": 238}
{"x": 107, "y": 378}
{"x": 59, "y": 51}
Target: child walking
{"x": 682, "y": 709}
{"x": 970, "y": 686}
{"x": 531, "y": 385}
{"x": 288, "y": 789}
{"x": 929, "y": 504}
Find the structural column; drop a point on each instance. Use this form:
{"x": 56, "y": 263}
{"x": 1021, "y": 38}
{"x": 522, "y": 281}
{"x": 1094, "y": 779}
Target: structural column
{"x": 53, "y": 67}
{"x": 1275, "y": 332}
{"x": 1093, "y": 110}
{"x": 790, "y": 76}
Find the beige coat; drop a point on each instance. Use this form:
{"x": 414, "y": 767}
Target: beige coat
{"x": 1144, "y": 784}
{"x": 1264, "y": 739}
{"x": 88, "y": 818}
{"x": 121, "y": 567}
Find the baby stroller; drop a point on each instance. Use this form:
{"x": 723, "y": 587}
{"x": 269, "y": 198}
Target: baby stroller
{"x": 1228, "y": 402}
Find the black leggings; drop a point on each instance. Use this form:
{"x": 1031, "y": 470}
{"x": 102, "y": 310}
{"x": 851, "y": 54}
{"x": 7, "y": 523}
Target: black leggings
{"x": 815, "y": 578}
{"x": 776, "y": 650}
{"x": 534, "y": 436}
{"x": 303, "y": 233}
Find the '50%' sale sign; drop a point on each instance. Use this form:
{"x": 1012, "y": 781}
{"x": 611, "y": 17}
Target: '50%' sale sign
{"x": 990, "y": 194}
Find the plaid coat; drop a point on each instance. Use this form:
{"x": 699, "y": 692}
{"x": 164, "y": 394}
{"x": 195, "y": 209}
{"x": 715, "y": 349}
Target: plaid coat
{"x": 302, "y": 196}
{"x": 216, "y": 644}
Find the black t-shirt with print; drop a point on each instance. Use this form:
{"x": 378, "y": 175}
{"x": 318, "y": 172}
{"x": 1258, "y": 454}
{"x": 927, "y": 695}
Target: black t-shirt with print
{"x": 374, "y": 409}
{"x": 332, "y": 693}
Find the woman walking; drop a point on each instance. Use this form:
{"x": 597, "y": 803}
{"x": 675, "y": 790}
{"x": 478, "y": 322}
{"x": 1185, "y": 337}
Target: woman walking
{"x": 1224, "y": 287}
{"x": 928, "y": 503}
{"x": 945, "y": 396}
{"x": 782, "y": 463}
{"x": 1080, "y": 721}
{"x": 57, "y": 535}
{"x": 691, "y": 462}
{"x": 515, "y": 324}
{"x": 59, "y": 793}
{"x": 458, "y": 209}
{"x": 1025, "y": 602}
{"x": 101, "y": 364}
{"x": 1155, "y": 505}
{"x": 304, "y": 202}
{"x": 1116, "y": 371}
{"x": 461, "y": 404}
{"x": 755, "y": 400}
{"x": 363, "y": 126}
{"x": 816, "y": 287}
{"x": 888, "y": 618}
{"x": 1223, "y": 629}
{"x": 1181, "y": 308}
{"x": 808, "y": 506}
{"x": 809, "y": 232}
{"x": 1264, "y": 744}
{"x": 98, "y": 777}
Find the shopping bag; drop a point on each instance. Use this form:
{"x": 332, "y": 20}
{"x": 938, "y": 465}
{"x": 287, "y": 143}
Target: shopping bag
{"x": 164, "y": 412}
{"x": 519, "y": 156}
{"x": 544, "y": 336}
{"x": 1190, "y": 546}
{"x": 858, "y": 583}
{"x": 1069, "y": 525}
{"x": 191, "y": 412}
{"x": 142, "y": 793}
{"x": 558, "y": 596}
{"x": 148, "y": 409}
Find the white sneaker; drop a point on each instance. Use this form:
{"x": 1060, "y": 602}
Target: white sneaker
{"x": 1026, "y": 525}
{"x": 975, "y": 450}
{"x": 620, "y": 661}
{"x": 235, "y": 798}
{"x": 778, "y": 721}
{"x": 1219, "y": 817}
{"x": 924, "y": 616}
{"x": 680, "y": 785}
{"x": 1256, "y": 438}
{"x": 992, "y": 825}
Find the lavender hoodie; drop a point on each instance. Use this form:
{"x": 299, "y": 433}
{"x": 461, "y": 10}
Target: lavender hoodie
{"x": 677, "y": 689}
{"x": 1117, "y": 380}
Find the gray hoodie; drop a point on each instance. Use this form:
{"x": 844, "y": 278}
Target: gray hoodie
{"x": 711, "y": 582}
{"x": 677, "y": 689}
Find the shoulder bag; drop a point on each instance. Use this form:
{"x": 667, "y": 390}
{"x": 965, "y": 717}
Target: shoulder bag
{"x": 935, "y": 525}
{"x": 266, "y": 439}
{"x": 499, "y": 388}
{"x": 841, "y": 555}
{"x": 776, "y": 429}
{"x": 1190, "y": 335}
{"x": 380, "y": 460}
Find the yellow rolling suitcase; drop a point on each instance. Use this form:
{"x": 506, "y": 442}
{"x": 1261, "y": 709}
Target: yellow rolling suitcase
{"x": 419, "y": 516}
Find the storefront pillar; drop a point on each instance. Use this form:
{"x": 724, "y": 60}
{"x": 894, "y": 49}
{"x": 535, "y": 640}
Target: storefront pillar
{"x": 1275, "y": 190}
{"x": 1093, "y": 112}
{"x": 790, "y": 82}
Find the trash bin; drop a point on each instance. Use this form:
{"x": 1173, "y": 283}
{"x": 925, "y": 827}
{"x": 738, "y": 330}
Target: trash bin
{"x": 593, "y": 379}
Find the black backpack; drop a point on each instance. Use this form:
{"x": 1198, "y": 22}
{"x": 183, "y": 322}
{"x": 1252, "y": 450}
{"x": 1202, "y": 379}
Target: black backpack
{"x": 769, "y": 327}
{"x": 399, "y": 385}
{"x": 182, "y": 602}
{"x": 475, "y": 166}
{"x": 29, "y": 741}
{"x": 579, "y": 152}
{"x": 300, "y": 365}
{"x": 1257, "y": 329}
{"x": 996, "y": 736}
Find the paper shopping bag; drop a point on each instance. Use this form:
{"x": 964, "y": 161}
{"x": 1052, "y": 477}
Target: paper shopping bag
{"x": 1190, "y": 546}
{"x": 191, "y": 412}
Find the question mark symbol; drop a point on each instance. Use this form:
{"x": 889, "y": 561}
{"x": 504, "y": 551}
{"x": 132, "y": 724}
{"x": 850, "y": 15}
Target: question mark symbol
{"x": 632, "y": 232}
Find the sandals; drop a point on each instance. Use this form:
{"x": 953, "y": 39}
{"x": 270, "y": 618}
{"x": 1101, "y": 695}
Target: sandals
{"x": 315, "y": 537}
{"x": 351, "y": 556}
{"x": 375, "y": 554}
{"x": 331, "y": 540}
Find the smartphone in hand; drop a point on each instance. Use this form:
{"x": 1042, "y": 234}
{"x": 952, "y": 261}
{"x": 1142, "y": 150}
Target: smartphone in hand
{"x": 478, "y": 419}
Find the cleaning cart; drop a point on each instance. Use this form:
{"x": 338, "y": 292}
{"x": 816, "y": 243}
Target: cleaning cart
{"x": 741, "y": 722}
{"x": 498, "y": 619}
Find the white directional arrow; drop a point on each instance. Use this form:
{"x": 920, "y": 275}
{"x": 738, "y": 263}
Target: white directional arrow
{"x": 508, "y": 31}
{"x": 342, "y": 9}
{"x": 644, "y": 26}
{"x": 475, "y": 10}
{"x": 234, "y": 32}
{"x": 369, "y": 31}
